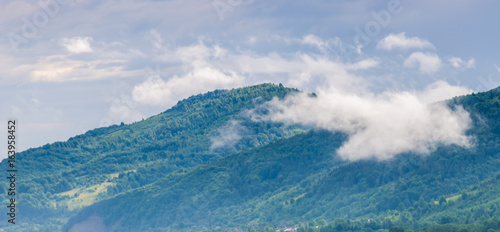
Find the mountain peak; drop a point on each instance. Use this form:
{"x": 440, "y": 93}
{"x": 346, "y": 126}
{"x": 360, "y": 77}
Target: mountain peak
{"x": 242, "y": 93}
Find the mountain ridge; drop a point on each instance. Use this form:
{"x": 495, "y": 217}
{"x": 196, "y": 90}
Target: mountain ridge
{"x": 428, "y": 175}
{"x": 65, "y": 173}
{"x": 274, "y": 174}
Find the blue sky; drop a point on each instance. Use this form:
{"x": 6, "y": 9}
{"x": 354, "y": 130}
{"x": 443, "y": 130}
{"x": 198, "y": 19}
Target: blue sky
{"x": 68, "y": 66}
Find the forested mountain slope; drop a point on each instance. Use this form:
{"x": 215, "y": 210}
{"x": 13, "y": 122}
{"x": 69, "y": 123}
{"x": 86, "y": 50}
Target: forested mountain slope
{"x": 60, "y": 178}
{"x": 300, "y": 179}
{"x": 204, "y": 163}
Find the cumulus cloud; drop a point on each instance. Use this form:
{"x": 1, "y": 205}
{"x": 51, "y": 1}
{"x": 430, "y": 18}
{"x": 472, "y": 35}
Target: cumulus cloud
{"x": 457, "y": 62}
{"x": 77, "y": 44}
{"x": 427, "y": 63}
{"x": 379, "y": 126}
{"x": 400, "y": 41}
{"x": 199, "y": 74}
{"x": 302, "y": 69}
{"x": 228, "y": 135}
{"x": 205, "y": 68}
{"x": 156, "y": 91}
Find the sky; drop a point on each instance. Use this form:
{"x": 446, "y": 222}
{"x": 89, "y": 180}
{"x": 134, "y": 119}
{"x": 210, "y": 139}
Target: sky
{"x": 68, "y": 66}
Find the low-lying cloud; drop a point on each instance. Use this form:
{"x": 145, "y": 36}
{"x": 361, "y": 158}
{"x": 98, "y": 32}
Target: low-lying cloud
{"x": 228, "y": 135}
{"x": 379, "y": 126}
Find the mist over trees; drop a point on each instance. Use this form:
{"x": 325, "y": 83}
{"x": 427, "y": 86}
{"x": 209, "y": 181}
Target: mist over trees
{"x": 206, "y": 164}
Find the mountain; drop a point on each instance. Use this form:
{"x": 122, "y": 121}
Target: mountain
{"x": 300, "y": 179}
{"x": 204, "y": 164}
{"x": 60, "y": 178}
{"x": 232, "y": 190}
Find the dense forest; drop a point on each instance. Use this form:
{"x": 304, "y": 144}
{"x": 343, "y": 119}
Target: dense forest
{"x": 183, "y": 170}
{"x": 62, "y": 177}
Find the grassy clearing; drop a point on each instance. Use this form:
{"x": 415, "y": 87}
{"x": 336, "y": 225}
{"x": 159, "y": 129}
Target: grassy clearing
{"x": 81, "y": 197}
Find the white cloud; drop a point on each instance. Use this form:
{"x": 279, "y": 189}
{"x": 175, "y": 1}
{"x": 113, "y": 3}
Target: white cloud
{"x": 301, "y": 69}
{"x": 400, "y": 41}
{"x": 77, "y": 44}
{"x": 194, "y": 55}
{"x": 321, "y": 44}
{"x": 364, "y": 64}
{"x": 60, "y": 68}
{"x": 439, "y": 91}
{"x": 314, "y": 41}
{"x": 471, "y": 63}
{"x": 156, "y": 91}
{"x": 428, "y": 63}
{"x": 457, "y": 62}
{"x": 199, "y": 73}
{"x": 379, "y": 126}
{"x": 228, "y": 135}
{"x": 205, "y": 68}
{"x": 123, "y": 109}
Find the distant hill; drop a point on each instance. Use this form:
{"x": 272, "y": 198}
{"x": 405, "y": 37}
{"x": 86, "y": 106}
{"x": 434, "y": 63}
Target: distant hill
{"x": 299, "y": 179}
{"x": 205, "y": 165}
{"x": 60, "y": 178}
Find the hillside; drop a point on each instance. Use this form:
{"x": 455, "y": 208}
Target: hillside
{"x": 300, "y": 179}
{"x": 232, "y": 190}
{"x": 62, "y": 177}
{"x": 204, "y": 164}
